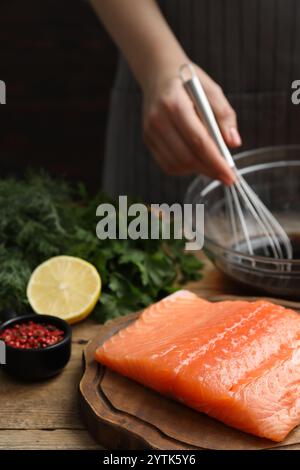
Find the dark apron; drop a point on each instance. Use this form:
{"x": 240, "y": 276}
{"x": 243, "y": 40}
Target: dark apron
{"x": 251, "y": 48}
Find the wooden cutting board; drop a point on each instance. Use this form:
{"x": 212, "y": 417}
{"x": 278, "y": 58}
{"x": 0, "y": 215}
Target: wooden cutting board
{"x": 121, "y": 414}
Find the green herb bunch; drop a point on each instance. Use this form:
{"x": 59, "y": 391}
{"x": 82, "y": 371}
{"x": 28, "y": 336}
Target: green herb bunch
{"x": 42, "y": 217}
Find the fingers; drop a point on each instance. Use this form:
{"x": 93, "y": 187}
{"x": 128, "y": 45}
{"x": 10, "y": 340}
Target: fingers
{"x": 170, "y": 150}
{"x": 162, "y": 153}
{"x": 197, "y": 138}
{"x": 177, "y": 137}
{"x": 225, "y": 116}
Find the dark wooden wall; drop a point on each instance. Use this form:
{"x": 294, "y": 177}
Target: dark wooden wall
{"x": 58, "y": 64}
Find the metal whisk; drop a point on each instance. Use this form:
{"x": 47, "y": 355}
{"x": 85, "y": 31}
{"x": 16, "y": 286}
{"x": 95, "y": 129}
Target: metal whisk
{"x": 242, "y": 201}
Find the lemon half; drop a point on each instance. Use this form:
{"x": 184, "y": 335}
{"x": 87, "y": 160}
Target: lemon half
{"x": 64, "y": 286}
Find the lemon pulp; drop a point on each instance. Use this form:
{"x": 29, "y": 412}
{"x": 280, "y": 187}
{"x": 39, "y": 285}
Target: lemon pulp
{"x": 64, "y": 286}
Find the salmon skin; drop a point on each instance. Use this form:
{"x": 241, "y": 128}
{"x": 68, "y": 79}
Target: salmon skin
{"x": 237, "y": 361}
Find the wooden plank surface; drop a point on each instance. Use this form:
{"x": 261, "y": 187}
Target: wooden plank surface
{"x": 45, "y": 415}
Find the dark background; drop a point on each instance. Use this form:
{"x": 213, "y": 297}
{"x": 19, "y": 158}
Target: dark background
{"x": 58, "y": 64}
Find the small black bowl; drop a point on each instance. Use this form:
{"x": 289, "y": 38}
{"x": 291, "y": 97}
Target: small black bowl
{"x": 41, "y": 363}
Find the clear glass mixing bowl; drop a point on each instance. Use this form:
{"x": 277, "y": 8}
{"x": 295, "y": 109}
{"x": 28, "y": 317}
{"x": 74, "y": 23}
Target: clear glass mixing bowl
{"x": 274, "y": 174}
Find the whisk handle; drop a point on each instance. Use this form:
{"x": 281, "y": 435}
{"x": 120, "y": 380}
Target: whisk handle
{"x": 197, "y": 94}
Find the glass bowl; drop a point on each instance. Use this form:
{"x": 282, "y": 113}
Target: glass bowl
{"x": 274, "y": 174}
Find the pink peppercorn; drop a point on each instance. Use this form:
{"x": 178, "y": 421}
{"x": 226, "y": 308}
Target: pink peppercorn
{"x": 31, "y": 335}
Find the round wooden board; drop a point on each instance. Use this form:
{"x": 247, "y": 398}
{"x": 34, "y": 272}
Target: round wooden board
{"x": 122, "y": 414}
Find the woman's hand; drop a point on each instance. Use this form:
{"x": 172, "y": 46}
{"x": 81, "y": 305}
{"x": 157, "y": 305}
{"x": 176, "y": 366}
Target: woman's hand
{"x": 173, "y": 130}
{"x": 175, "y": 134}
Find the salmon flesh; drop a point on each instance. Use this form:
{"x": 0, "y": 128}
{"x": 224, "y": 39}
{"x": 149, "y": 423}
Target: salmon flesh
{"x": 236, "y": 361}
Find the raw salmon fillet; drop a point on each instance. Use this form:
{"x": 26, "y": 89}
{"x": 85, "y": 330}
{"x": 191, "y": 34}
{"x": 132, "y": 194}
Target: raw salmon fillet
{"x": 237, "y": 361}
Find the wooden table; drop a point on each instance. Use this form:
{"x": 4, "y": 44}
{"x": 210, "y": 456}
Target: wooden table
{"x": 45, "y": 415}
